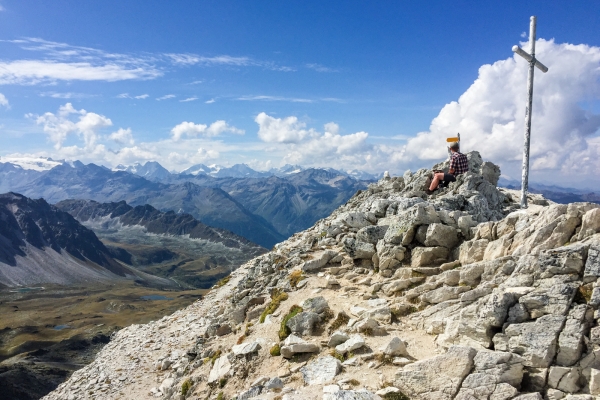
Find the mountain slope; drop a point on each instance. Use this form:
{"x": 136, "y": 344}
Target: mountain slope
{"x": 295, "y": 202}
{"x": 397, "y": 294}
{"x": 41, "y": 244}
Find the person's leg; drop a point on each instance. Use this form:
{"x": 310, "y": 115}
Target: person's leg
{"x": 436, "y": 180}
{"x": 448, "y": 178}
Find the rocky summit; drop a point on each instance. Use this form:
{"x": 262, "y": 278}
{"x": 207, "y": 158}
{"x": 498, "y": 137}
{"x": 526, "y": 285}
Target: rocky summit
{"x": 396, "y": 295}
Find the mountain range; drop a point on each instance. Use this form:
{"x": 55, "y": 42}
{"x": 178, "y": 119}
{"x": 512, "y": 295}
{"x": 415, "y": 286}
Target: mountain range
{"x": 555, "y": 193}
{"x": 166, "y": 244}
{"x": 41, "y": 244}
{"x": 263, "y": 209}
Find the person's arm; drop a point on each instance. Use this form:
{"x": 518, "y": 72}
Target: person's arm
{"x": 452, "y": 165}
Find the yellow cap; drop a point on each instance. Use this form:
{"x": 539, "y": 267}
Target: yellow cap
{"x": 452, "y": 139}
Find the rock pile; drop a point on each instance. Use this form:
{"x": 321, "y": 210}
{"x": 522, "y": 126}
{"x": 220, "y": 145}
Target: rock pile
{"x": 396, "y": 295}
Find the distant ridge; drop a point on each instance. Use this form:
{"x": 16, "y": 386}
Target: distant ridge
{"x": 41, "y": 244}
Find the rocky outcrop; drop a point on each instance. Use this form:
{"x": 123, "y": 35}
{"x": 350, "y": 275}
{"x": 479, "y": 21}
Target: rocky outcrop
{"x": 458, "y": 295}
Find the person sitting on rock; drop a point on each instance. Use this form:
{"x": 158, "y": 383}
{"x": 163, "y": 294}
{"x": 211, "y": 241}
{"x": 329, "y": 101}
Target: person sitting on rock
{"x": 458, "y": 165}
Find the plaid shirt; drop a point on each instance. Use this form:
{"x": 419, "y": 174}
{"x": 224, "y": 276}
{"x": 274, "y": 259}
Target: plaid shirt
{"x": 459, "y": 163}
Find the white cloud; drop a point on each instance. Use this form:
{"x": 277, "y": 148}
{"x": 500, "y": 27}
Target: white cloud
{"x": 122, "y": 136}
{"x": 191, "y": 129}
{"x": 309, "y": 147}
{"x": 209, "y": 154}
{"x": 36, "y": 71}
{"x": 166, "y": 97}
{"x": 209, "y": 101}
{"x": 65, "y": 95}
{"x": 188, "y": 99}
{"x": 278, "y": 130}
{"x": 123, "y": 96}
{"x": 60, "y": 125}
{"x": 195, "y": 82}
{"x": 127, "y": 96}
{"x": 490, "y": 115}
{"x": 320, "y": 68}
{"x": 275, "y": 98}
{"x": 188, "y": 129}
{"x": 3, "y": 101}
{"x": 141, "y": 96}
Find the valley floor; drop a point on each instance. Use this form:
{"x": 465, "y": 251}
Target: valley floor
{"x": 48, "y": 332}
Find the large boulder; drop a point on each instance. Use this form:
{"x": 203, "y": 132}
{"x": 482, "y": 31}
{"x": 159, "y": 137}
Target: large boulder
{"x": 441, "y": 235}
{"x": 428, "y": 256}
{"x": 371, "y": 234}
{"x": 303, "y": 323}
{"x": 535, "y": 341}
{"x": 438, "y": 377}
{"x": 293, "y": 344}
{"x": 357, "y": 249}
{"x": 321, "y": 370}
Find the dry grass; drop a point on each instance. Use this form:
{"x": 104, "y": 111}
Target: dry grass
{"x": 341, "y": 320}
{"x": 584, "y": 294}
{"x": 223, "y": 281}
{"x": 275, "y": 351}
{"x": 284, "y": 331}
{"x": 295, "y": 277}
{"x": 186, "y": 386}
{"x": 276, "y": 298}
{"x": 215, "y": 356}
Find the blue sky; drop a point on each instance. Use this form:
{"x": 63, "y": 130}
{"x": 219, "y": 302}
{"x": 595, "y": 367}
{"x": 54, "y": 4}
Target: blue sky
{"x": 381, "y": 69}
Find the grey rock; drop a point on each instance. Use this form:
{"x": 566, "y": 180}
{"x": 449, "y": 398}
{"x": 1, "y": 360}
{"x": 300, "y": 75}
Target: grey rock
{"x": 245, "y": 348}
{"x": 535, "y": 341}
{"x": 220, "y": 369}
{"x": 371, "y": 234}
{"x": 303, "y": 323}
{"x": 293, "y": 344}
{"x": 564, "y": 260}
{"x": 336, "y": 338}
{"x": 356, "y": 249}
{"x": 592, "y": 265}
{"x": 437, "y": 377}
{"x": 441, "y": 235}
{"x": 570, "y": 341}
{"x": 564, "y": 379}
{"x": 250, "y": 393}
{"x": 353, "y": 343}
{"x": 490, "y": 172}
{"x": 321, "y": 370}
{"x": 428, "y": 256}
{"x": 315, "y": 304}
{"x": 274, "y": 383}
{"x": 354, "y": 219}
{"x": 395, "y": 347}
{"x": 350, "y": 395}
{"x": 319, "y": 260}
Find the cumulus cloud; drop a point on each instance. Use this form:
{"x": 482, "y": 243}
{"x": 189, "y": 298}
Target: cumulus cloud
{"x": 122, "y": 136}
{"x": 490, "y": 114}
{"x": 3, "y": 101}
{"x": 281, "y": 130}
{"x": 191, "y": 129}
{"x": 61, "y": 124}
{"x": 307, "y": 146}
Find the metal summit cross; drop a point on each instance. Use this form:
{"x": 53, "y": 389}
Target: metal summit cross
{"x": 532, "y": 63}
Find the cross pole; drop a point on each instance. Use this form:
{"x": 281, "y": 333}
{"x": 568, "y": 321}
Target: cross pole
{"x": 533, "y": 62}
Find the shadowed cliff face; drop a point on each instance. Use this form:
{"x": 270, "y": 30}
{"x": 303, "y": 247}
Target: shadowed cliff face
{"x": 35, "y": 222}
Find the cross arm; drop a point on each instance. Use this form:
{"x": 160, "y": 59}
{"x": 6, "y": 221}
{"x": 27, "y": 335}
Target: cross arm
{"x": 528, "y": 57}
